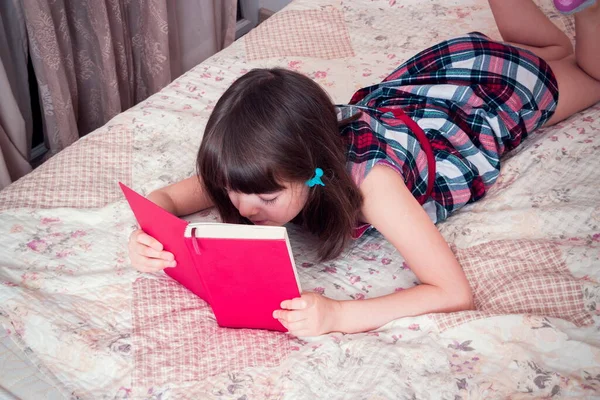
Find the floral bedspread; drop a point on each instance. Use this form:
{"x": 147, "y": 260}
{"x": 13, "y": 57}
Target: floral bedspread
{"x": 531, "y": 249}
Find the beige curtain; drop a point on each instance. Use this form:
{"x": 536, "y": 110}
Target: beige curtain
{"x": 203, "y": 28}
{"x": 15, "y": 106}
{"x": 94, "y": 59}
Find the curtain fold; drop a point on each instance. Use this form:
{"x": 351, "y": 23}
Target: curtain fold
{"x": 94, "y": 59}
{"x": 15, "y": 103}
{"x": 204, "y": 28}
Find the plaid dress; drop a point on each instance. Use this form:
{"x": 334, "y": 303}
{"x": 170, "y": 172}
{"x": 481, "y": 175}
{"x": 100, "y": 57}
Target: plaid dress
{"x": 474, "y": 99}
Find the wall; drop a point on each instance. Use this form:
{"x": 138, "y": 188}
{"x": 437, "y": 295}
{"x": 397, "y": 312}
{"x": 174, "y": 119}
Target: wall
{"x": 273, "y": 5}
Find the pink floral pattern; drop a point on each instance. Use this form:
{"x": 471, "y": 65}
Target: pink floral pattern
{"x": 68, "y": 294}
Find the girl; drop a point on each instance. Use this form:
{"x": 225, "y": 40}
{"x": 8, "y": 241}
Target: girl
{"x": 405, "y": 154}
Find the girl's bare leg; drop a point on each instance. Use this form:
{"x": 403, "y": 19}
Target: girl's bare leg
{"x": 578, "y": 76}
{"x": 587, "y": 32}
{"x": 523, "y": 24}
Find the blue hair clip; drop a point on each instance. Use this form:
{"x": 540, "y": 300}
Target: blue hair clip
{"x": 316, "y": 180}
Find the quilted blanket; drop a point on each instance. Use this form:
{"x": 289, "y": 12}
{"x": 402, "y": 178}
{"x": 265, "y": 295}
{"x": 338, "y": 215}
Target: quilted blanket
{"x": 96, "y": 328}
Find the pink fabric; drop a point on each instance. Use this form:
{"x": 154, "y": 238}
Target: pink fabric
{"x": 84, "y": 175}
{"x": 310, "y": 33}
{"x": 176, "y": 338}
{"x": 519, "y": 277}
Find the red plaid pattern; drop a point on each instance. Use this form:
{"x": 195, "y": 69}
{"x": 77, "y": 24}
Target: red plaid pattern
{"x": 84, "y": 175}
{"x": 307, "y": 33}
{"x": 176, "y": 338}
{"x": 455, "y": 89}
{"x": 519, "y": 277}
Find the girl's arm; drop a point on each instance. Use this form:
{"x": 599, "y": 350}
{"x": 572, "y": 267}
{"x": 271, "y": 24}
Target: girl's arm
{"x": 390, "y": 208}
{"x": 183, "y": 197}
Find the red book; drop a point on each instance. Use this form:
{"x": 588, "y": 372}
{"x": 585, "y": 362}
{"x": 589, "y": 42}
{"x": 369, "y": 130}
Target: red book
{"x": 243, "y": 271}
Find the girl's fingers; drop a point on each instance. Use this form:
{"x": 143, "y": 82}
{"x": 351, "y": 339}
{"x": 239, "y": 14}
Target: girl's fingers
{"x": 152, "y": 253}
{"x": 140, "y": 240}
{"x": 145, "y": 264}
{"x": 293, "y": 327}
{"x": 284, "y": 324}
{"x": 289, "y": 316}
{"x": 149, "y": 241}
{"x": 299, "y": 328}
{"x": 147, "y": 252}
{"x": 293, "y": 304}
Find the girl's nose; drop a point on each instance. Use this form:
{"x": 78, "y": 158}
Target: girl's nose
{"x": 246, "y": 208}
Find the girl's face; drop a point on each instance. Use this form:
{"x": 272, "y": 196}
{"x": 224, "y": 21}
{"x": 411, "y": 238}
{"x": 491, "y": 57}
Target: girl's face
{"x": 276, "y": 208}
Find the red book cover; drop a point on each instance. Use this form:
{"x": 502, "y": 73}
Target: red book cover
{"x": 248, "y": 271}
{"x": 167, "y": 229}
{"x": 243, "y": 271}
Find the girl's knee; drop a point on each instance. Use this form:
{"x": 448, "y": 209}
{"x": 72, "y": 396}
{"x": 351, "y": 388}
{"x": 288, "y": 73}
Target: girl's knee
{"x": 577, "y": 89}
{"x": 558, "y": 51}
{"x": 566, "y": 49}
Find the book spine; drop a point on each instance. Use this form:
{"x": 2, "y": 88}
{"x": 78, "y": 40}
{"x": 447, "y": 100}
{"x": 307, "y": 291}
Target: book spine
{"x": 195, "y": 255}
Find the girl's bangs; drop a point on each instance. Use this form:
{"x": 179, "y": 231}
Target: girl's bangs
{"x": 248, "y": 169}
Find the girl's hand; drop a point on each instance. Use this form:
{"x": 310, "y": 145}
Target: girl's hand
{"x": 146, "y": 253}
{"x": 309, "y": 315}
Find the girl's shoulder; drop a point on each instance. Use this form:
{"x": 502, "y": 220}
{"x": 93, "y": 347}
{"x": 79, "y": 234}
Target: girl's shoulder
{"x": 371, "y": 141}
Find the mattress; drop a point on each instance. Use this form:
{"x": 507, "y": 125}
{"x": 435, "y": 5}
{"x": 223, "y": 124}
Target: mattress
{"x": 72, "y": 306}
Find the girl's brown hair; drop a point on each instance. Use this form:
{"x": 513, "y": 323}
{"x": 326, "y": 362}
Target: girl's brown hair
{"x": 273, "y": 126}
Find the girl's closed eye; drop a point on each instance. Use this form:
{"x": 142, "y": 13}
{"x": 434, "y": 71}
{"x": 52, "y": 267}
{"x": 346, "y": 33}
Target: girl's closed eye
{"x": 269, "y": 201}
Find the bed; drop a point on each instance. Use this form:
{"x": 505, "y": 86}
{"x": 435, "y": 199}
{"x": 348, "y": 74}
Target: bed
{"x": 89, "y": 326}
